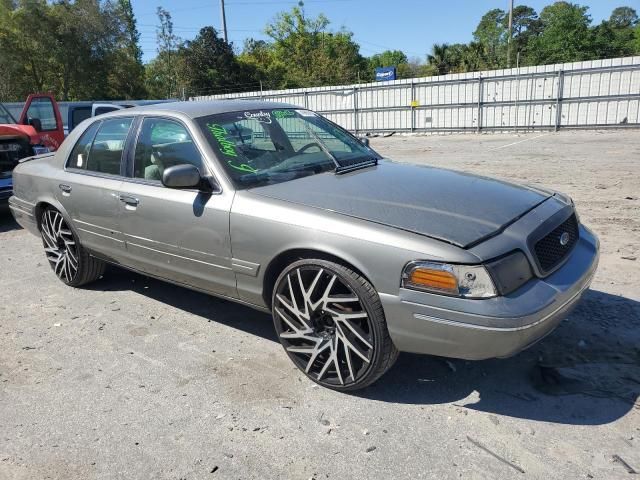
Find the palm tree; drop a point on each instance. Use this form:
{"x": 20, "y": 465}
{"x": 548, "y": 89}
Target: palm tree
{"x": 439, "y": 58}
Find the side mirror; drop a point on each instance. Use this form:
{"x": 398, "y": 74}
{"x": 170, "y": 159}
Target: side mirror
{"x": 35, "y": 123}
{"x": 364, "y": 141}
{"x": 181, "y": 176}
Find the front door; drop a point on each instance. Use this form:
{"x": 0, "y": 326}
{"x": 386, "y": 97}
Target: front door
{"x": 178, "y": 234}
{"x": 90, "y": 190}
{"x": 42, "y": 112}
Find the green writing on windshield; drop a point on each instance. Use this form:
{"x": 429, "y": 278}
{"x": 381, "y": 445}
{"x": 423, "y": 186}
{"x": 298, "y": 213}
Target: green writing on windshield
{"x": 220, "y": 134}
{"x": 243, "y": 167}
{"x": 283, "y": 113}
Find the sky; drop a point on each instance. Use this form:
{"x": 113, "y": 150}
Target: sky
{"x": 408, "y": 25}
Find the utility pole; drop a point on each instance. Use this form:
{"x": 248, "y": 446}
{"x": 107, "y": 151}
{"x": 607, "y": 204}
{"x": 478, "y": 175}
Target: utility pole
{"x": 510, "y": 30}
{"x": 224, "y": 21}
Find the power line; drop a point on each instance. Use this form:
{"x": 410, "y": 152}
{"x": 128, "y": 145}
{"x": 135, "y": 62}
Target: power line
{"x": 248, "y": 2}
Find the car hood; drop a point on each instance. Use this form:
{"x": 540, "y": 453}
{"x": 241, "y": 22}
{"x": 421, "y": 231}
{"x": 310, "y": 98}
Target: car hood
{"x": 455, "y": 207}
{"x": 15, "y": 130}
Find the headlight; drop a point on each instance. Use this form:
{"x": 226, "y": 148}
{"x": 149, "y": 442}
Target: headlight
{"x": 40, "y": 149}
{"x": 468, "y": 281}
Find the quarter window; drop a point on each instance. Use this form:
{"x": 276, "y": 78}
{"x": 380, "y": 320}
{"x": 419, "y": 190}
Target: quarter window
{"x": 80, "y": 153}
{"x": 162, "y": 144}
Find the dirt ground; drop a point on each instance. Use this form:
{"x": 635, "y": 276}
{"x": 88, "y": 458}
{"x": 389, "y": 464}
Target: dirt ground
{"x": 136, "y": 379}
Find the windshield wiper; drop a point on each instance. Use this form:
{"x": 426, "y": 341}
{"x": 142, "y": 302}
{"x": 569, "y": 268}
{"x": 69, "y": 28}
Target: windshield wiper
{"x": 321, "y": 144}
{"x": 258, "y": 178}
{"x": 370, "y": 162}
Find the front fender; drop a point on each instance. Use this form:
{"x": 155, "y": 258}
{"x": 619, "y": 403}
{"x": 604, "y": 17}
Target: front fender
{"x": 261, "y": 229}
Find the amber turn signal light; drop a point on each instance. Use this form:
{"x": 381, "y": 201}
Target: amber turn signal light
{"x": 433, "y": 279}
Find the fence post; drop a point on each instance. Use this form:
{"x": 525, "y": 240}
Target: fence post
{"x": 413, "y": 108}
{"x": 559, "y": 99}
{"x": 306, "y": 99}
{"x": 355, "y": 109}
{"x": 479, "y": 126}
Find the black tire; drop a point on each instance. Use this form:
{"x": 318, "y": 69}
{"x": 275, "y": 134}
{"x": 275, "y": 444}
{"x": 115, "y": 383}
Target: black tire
{"x": 325, "y": 345}
{"x": 71, "y": 263}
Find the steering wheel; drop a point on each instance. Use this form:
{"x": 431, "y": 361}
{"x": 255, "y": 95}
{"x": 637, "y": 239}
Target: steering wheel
{"x": 309, "y": 145}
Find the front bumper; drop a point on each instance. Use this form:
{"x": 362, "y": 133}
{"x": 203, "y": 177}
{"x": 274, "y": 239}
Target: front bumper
{"x": 497, "y": 327}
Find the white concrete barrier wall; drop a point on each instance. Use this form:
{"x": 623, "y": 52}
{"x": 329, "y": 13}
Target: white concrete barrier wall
{"x": 592, "y": 94}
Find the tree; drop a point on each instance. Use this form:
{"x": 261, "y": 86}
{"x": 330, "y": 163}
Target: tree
{"x": 72, "y": 49}
{"x": 388, "y": 58}
{"x": 623, "y": 17}
{"x": 619, "y": 32}
{"x": 312, "y": 55}
{"x": 25, "y": 64}
{"x": 126, "y": 75}
{"x": 11, "y": 69}
{"x": 208, "y": 64}
{"x": 491, "y": 35}
{"x": 466, "y": 57}
{"x": 259, "y": 58}
{"x": 162, "y": 74}
{"x": 565, "y": 35}
{"x": 525, "y": 27}
{"x": 439, "y": 59}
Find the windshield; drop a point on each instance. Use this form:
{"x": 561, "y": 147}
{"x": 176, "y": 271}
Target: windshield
{"x": 5, "y": 116}
{"x": 268, "y": 146}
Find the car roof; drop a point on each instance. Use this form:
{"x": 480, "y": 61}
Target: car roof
{"x": 195, "y": 109}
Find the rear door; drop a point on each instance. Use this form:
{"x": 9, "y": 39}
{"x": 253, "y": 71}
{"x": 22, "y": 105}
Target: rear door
{"x": 41, "y": 111}
{"x": 178, "y": 234}
{"x": 90, "y": 191}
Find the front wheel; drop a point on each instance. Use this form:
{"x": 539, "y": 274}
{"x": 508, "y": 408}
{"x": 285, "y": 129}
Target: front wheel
{"x": 331, "y": 323}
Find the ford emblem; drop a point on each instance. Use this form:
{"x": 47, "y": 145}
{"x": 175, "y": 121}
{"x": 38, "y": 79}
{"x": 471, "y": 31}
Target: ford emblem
{"x": 564, "y": 239}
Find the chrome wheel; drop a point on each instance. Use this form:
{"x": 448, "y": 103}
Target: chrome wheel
{"x": 324, "y": 325}
{"x": 59, "y": 245}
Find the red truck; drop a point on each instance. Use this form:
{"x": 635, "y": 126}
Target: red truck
{"x": 39, "y": 129}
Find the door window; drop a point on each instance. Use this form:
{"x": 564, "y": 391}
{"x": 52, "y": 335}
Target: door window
{"x": 42, "y": 109}
{"x": 100, "y": 147}
{"x": 161, "y": 144}
{"x": 106, "y": 151}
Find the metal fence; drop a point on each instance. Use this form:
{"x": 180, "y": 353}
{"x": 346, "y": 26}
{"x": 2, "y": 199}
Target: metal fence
{"x": 593, "y": 94}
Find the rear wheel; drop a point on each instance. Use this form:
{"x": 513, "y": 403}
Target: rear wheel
{"x": 330, "y": 322}
{"x": 69, "y": 261}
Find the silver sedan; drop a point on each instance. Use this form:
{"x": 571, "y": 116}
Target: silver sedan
{"x": 274, "y": 206}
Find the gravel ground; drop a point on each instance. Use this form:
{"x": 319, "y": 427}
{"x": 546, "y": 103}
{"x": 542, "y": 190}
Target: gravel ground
{"x": 136, "y": 379}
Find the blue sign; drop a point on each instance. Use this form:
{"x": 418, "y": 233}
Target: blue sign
{"x": 384, "y": 74}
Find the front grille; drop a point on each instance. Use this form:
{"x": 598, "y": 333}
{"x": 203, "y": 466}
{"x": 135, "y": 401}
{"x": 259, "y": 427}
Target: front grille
{"x": 550, "y": 250}
{"x": 10, "y": 153}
